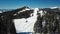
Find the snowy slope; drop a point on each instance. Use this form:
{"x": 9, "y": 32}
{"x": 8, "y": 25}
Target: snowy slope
{"x": 23, "y": 26}
{"x": 22, "y": 11}
{"x": 27, "y": 25}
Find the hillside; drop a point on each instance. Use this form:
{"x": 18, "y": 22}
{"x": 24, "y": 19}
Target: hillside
{"x": 34, "y": 20}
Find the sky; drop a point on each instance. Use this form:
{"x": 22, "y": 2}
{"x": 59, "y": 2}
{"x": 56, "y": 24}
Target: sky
{"x": 13, "y": 4}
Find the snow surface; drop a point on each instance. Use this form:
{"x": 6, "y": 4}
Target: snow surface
{"x": 21, "y": 11}
{"x": 41, "y": 13}
{"x": 0, "y": 11}
{"x": 24, "y": 10}
{"x": 53, "y": 7}
{"x": 43, "y": 23}
{"x": 23, "y": 26}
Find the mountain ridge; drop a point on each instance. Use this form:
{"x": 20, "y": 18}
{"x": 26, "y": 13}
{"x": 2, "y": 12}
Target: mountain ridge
{"x": 26, "y": 19}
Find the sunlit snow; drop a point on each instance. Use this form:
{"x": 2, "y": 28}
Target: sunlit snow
{"x": 23, "y": 26}
{"x": 0, "y": 11}
{"x": 41, "y": 12}
{"x": 53, "y": 7}
{"x": 22, "y": 11}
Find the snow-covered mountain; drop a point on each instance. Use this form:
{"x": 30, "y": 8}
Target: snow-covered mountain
{"x": 53, "y": 7}
{"x": 27, "y": 25}
{"x": 33, "y": 20}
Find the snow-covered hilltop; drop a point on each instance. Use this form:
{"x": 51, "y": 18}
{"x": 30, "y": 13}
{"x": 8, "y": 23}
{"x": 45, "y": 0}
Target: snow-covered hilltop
{"x": 34, "y": 20}
{"x": 27, "y": 25}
